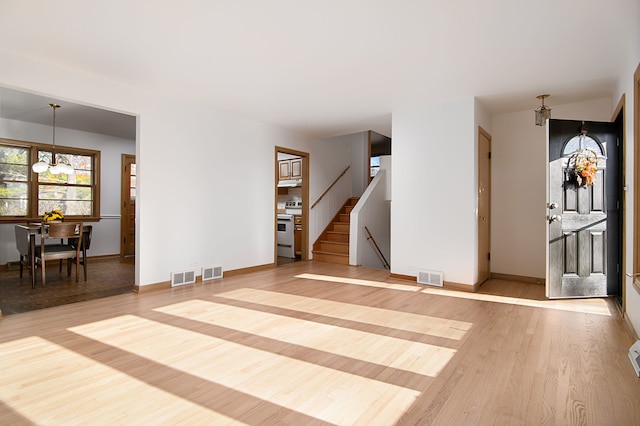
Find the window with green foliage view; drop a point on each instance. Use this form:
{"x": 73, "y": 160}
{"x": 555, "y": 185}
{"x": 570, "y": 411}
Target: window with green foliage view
{"x": 24, "y": 194}
{"x": 14, "y": 181}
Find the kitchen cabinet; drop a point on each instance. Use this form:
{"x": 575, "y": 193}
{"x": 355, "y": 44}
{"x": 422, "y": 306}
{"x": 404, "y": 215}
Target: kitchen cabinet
{"x": 290, "y": 169}
{"x": 297, "y": 235}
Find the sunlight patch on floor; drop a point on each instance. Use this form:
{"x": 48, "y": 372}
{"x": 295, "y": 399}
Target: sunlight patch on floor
{"x": 405, "y": 321}
{"x": 373, "y": 348}
{"x": 355, "y": 281}
{"x": 595, "y": 306}
{"x": 585, "y": 306}
{"x": 48, "y": 384}
{"x": 320, "y": 392}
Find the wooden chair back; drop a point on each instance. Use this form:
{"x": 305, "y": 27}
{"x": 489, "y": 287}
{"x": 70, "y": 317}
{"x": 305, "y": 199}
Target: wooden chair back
{"x": 60, "y": 230}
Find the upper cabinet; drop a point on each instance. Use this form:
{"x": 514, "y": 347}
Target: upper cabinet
{"x": 290, "y": 169}
{"x": 296, "y": 168}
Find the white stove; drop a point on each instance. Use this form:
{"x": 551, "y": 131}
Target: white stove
{"x": 293, "y": 207}
{"x": 286, "y": 246}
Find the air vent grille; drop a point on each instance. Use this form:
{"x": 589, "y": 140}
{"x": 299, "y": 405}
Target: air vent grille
{"x": 434, "y": 278}
{"x": 211, "y": 273}
{"x": 634, "y": 357}
{"x": 183, "y": 277}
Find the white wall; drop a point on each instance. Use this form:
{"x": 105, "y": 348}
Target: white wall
{"x": 106, "y": 233}
{"x": 334, "y": 154}
{"x": 359, "y": 143}
{"x": 215, "y": 203}
{"x": 433, "y": 213}
{"x": 206, "y": 185}
{"x": 329, "y": 157}
{"x": 518, "y": 186}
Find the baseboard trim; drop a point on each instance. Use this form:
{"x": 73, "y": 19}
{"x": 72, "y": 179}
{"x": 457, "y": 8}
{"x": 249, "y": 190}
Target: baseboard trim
{"x": 402, "y": 277}
{"x": 470, "y": 288}
{"x": 250, "y": 269}
{"x": 629, "y": 327}
{"x": 149, "y": 288}
{"x": 231, "y": 273}
{"x": 517, "y": 278}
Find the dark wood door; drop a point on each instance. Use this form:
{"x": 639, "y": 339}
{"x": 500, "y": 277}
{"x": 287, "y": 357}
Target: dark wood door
{"x": 583, "y": 208}
{"x": 484, "y": 206}
{"x": 128, "y": 209}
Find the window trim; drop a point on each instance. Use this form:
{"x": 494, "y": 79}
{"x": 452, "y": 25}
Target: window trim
{"x": 32, "y": 180}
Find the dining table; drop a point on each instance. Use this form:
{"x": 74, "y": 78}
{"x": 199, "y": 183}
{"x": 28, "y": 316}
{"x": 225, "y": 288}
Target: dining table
{"x": 34, "y": 229}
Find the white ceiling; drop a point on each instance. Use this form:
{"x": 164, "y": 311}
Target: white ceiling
{"x": 326, "y": 67}
{"x": 33, "y": 108}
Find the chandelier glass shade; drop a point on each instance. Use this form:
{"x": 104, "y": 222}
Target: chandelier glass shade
{"x": 59, "y": 163}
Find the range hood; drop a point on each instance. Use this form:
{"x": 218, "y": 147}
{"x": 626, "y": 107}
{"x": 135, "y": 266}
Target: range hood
{"x": 289, "y": 183}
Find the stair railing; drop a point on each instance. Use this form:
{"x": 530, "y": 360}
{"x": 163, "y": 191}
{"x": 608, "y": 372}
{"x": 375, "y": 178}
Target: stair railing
{"x": 378, "y": 251}
{"x": 330, "y": 186}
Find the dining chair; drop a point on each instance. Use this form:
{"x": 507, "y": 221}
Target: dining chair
{"x": 22, "y": 244}
{"x": 60, "y": 231}
{"x": 87, "y": 230}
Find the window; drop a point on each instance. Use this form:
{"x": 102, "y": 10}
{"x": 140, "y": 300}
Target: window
{"x": 581, "y": 142}
{"x": 374, "y": 166}
{"x": 14, "y": 181}
{"x": 27, "y": 195}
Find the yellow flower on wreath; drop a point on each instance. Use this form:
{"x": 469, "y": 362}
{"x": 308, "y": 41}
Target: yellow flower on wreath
{"x": 53, "y": 215}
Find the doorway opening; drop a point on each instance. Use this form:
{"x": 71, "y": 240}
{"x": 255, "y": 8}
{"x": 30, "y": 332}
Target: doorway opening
{"x": 291, "y": 230}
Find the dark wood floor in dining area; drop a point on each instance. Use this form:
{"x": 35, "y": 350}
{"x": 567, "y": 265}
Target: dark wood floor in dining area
{"x": 105, "y": 277}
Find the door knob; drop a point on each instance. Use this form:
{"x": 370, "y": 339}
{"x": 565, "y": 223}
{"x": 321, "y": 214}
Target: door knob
{"x": 554, "y": 218}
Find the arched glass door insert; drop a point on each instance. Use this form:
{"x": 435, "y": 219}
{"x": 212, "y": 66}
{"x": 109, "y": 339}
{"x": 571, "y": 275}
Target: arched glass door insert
{"x": 585, "y": 160}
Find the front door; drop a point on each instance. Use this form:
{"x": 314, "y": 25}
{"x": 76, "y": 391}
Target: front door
{"x": 582, "y": 209}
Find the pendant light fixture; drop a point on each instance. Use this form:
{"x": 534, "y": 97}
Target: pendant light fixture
{"x": 59, "y": 164}
{"x": 543, "y": 113}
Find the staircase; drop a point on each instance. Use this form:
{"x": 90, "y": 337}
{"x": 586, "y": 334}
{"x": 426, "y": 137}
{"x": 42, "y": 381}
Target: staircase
{"x": 333, "y": 244}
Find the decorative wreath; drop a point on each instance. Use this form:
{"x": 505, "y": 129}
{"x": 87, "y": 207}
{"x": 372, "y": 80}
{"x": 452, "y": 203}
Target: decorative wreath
{"x": 584, "y": 165}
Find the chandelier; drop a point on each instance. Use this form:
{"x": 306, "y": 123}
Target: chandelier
{"x": 60, "y": 163}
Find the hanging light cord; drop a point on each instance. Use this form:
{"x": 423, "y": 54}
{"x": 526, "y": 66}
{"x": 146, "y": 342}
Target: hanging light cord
{"x": 53, "y": 157}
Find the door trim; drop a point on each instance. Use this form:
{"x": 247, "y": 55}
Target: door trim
{"x": 635, "y": 280}
{"x": 619, "y": 113}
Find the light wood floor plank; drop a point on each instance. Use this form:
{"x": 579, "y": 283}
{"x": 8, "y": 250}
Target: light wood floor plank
{"x": 314, "y": 343}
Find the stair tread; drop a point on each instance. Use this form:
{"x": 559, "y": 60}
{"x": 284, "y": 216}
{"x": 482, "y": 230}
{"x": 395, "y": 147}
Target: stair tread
{"x": 334, "y": 242}
{"x": 332, "y": 253}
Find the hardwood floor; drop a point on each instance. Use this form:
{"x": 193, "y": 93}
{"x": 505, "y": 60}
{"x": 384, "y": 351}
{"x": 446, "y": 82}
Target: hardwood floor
{"x": 319, "y": 343}
{"x": 105, "y": 277}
